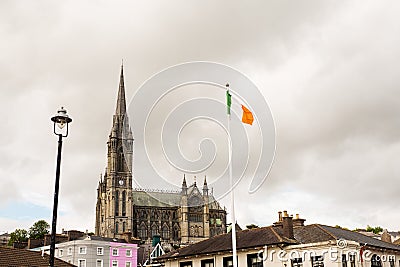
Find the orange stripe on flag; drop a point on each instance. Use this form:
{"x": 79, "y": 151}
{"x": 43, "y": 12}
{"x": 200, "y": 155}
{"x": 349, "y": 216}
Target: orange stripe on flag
{"x": 247, "y": 116}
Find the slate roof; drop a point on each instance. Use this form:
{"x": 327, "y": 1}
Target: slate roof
{"x": 12, "y": 257}
{"x": 250, "y": 238}
{"x": 164, "y": 199}
{"x": 259, "y": 237}
{"x": 357, "y": 237}
{"x": 100, "y": 238}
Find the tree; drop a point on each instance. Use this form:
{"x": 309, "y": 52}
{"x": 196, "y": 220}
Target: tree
{"x": 19, "y": 235}
{"x": 375, "y": 230}
{"x": 251, "y": 226}
{"x": 39, "y": 229}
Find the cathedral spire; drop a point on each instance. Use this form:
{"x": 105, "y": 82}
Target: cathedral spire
{"x": 121, "y": 103}
{"x": 205, "y": 186}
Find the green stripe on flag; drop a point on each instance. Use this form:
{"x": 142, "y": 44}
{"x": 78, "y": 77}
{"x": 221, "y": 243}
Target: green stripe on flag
{"x": 228, "y": 102}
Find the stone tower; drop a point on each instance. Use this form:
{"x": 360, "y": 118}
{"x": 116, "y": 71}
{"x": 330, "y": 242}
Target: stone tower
{"x": 114, "y": 192}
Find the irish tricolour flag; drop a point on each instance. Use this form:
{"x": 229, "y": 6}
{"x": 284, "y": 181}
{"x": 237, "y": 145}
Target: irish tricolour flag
{"x": 247, "y": 116}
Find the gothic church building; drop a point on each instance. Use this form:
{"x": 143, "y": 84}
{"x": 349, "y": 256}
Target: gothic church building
{"x": 186, "y": 216}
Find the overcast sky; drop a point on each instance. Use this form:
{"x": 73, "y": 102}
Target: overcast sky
{"x": 328, "y": 69}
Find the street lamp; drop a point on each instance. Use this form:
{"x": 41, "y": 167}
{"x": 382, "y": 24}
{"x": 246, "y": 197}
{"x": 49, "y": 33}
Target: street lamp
{"x": 60, "y": 120}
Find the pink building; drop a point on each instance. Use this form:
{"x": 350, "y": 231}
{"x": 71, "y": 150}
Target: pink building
{"x": 123, "y": 254}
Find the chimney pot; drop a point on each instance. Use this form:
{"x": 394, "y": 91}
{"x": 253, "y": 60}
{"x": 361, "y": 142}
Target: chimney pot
{"x": 280, "y": 216}
{"x": 285, "y": 214}
{"x": 297, "y": 216}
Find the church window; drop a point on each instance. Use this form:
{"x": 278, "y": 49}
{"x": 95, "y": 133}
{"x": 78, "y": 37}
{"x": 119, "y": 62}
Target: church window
{"x": 116, "y": 203}
{"x": 123, "y": 203}
{"x": 123, "y": 227}
{"x": 165, "y": 232}
{"x": 142, "y": 232}
{"x": 154, "y": 230}
{"x": 196, "y": 214}
{"x": 116, "y": 228}
{"x": 121, "y": 160}
{"x": 175, "y": 233}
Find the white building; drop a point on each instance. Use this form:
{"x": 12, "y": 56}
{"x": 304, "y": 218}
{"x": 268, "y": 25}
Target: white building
{"x": 288, "y": 243}
{"x": 95, "y": 251}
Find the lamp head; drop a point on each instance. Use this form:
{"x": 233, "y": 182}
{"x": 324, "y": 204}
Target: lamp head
{"x": 61, "y": 119}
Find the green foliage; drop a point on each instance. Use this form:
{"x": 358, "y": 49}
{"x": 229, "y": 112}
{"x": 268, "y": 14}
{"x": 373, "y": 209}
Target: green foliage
{"x": 340, "y": 227}
{"x": 39, "y": 229}
{"x": 19, "y": 235}
{"x": 375, "y": 230}
{"x": 251, "y": 226}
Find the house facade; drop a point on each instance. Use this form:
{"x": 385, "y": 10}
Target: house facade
{"x": 94, "y": 251}
{"x": 288, "y": 242}
{"x": 185, "y": 216}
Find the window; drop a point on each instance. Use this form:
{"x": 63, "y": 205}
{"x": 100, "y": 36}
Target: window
{"x": 129, "y": 253}
{"x": 175, "y": 233}
{"x": 391, "y": 261}
{"x": 123, "y": 227}
{"x": 297, "y": 262}
{"x": 128, "y": 264}
{"x": 81, "y": 263}
{"x": 227, "y": 261}
{"x": 70, "y": 251}
{"x": 317, "y": 261}
{"x": 142, "y": 232}
{"x": 352, "y": 257}
{"x": 116, "y": 203}
{"x": 60, "y": 253}
{"x": 99, "y": 263}
{"x": 123, "y": 203}
{"x": 115, "y": 252}
{"x": 100, "y": 251}
{"x": 114, "y": 263}
{"x": 376, "y": 261}
{"x": 154, "y": 230}
{"x": 165, "y": 232}
{"x": 82, "y": 250}
{"x": 185, "y": 264}
{"x": 254, "y": 260}
{"x": 344, "y": 260}
{"x": 207, "y": 263}
{"x": 116, "y": 227}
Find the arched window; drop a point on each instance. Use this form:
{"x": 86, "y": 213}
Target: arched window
{"x": 154, "y": 230}
{"x": 175, "y": 233}
{"x": 142, "y": 232}
{"x": 116, "y": 228}
{"x": 165, "y": 232}
{"x": 123, "y": 203}
{"x": 121, "y": 159}
{"x": 116, "y": 203}
{"x": 123, "y": 227}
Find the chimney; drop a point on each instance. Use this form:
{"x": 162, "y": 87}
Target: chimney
{"x": 297, "y": 221}
{"x": 287, "y": 225}
{"x": 386, "y": 236}
{"x": 279, "y": 222}
{"x": 128, "y": 237}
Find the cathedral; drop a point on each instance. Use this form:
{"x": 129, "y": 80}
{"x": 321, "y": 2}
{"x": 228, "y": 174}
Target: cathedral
{"x": 182, "y": 217}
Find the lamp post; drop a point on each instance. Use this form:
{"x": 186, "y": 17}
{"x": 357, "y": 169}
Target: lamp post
{"x": 61, "y": 119}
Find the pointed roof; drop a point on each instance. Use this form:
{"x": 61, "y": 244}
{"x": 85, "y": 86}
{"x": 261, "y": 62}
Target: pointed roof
{"x": 121, "y": 103}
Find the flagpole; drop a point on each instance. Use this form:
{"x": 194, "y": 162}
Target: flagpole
{"x": 233, "y": 218}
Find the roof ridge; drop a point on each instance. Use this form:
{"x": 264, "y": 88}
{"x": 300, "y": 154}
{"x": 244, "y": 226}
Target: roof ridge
{"x": 326, "y": 231}
{"x": 275, "y": 233}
